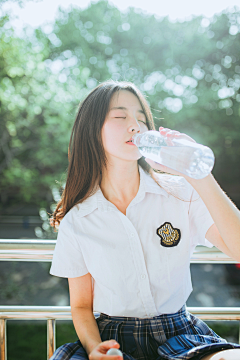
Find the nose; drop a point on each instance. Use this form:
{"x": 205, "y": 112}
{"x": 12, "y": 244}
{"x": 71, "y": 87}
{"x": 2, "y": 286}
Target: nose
{"x": 134, "y": 127}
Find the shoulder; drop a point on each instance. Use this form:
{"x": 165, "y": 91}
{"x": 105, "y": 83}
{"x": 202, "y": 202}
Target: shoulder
{"x": 70, "y": 216}
{"x": 74, "y": 215}
{"x": 69, "y": 220}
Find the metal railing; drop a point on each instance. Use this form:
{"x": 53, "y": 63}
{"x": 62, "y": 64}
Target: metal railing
{"x": 42, "y": 250}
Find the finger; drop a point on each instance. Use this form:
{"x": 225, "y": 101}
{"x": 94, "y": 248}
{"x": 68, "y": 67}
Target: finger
{"x": 170, "y": 133}
{"x": 185, "y": 137}
{"x": 177, "y": 134}
{"x": 173, "y": 132}
{"x": 169, "y": 140}
{"x": 169, "y": 136}
{"x": 108, "y": 344}
{"x": 165, "y": 130}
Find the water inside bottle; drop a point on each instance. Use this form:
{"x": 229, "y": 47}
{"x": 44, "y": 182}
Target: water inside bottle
{"x": 196, "y": 163}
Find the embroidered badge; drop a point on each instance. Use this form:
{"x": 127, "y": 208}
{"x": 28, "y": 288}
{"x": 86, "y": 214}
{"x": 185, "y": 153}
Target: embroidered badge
{"x": 169, "y": 235}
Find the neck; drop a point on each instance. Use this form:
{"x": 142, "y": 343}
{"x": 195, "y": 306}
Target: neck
{"x": 120, "y": 182}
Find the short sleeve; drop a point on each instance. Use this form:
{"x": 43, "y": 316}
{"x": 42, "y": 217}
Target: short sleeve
{"x": 200, "y": 221}
{"x": 68, "y": 259}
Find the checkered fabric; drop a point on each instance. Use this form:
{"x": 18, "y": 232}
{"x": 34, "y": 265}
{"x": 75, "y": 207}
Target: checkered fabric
{"x": 179, "y": 336}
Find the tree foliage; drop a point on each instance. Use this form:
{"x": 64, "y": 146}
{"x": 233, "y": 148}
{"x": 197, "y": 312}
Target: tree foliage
{"x": 189, "y": 72}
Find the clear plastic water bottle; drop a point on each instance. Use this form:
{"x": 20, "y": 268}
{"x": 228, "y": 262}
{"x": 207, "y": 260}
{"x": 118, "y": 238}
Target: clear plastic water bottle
{"x": 187, "y": 157}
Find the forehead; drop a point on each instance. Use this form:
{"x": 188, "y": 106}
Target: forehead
{"x": 124, "y": 98}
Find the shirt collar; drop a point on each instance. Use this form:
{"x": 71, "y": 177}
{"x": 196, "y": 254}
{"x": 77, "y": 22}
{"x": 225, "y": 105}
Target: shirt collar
{"x": 97, "y": 200}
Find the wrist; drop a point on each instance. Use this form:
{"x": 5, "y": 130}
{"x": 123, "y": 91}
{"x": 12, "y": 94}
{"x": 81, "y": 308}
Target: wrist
{"x": 91, "y": 346}
{"x": 196, "y": 183}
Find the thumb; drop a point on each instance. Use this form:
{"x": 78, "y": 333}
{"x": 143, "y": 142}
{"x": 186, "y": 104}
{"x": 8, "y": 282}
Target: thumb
{"x": 110, "y": 343}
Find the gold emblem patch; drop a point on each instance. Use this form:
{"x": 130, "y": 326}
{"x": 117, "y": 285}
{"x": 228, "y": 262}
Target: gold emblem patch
{"x": 169, "y": 235}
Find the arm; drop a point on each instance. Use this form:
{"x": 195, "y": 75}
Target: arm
{"x": 81, "y": 302}
{"x": 86, "y": 328}
{"x": 225, "y": 232}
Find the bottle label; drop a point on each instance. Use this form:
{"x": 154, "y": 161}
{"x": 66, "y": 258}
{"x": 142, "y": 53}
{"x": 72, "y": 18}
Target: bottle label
{"x": 169, "y": 235}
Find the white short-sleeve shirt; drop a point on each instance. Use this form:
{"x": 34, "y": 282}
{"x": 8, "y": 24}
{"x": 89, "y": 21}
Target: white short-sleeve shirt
{"x": 139, "y": 263}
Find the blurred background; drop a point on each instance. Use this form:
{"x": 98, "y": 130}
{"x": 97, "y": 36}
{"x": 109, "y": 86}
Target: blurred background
{"x": 184, "y": 58}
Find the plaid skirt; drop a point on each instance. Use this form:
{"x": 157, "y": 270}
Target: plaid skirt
{"x": 180, "y": 336}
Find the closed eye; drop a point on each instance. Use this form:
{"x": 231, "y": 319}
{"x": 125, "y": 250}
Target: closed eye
{"x": 121, "y": 117}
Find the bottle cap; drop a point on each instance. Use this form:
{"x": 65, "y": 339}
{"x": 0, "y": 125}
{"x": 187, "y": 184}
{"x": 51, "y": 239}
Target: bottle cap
{"x": 114, "y": 352}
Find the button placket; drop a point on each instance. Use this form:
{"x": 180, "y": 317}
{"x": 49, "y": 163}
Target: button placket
{"x": 144, "y": 285}
{"x": 140, "y": 265}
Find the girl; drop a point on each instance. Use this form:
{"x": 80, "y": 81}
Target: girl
{"x": 126, "y": 237}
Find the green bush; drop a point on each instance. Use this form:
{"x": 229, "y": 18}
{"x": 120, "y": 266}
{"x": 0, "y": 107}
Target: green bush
{"x": 228, "y": 330}
{"x": 28, "y": 339}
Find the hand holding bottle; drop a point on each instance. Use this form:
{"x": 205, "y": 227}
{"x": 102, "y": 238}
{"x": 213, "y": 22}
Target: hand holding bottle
{"x": 100, "y": 351}
{"x": 169, "y": 135}
{"x": 175, "y": 153}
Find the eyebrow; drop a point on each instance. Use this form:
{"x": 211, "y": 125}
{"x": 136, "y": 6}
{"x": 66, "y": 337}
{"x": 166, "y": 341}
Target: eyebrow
{"x": 123, "y": 108}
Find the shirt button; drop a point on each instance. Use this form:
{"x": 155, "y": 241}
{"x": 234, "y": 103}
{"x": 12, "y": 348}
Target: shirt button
{"x": 132, "y": 235}
{"x": 143, "y": 276}
{"x": 151, "y": 315}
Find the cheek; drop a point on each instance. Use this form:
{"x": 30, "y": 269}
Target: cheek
{"x": 111, "y": 135}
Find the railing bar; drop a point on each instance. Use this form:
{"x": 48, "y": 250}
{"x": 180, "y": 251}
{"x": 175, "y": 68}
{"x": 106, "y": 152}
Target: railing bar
{"x": 64, "y": 313}
{"x": 67, "y": 309}
{"x": 42, "y": 250}
{"x": 51, "y": 337}
{"x": 3, "y": 339}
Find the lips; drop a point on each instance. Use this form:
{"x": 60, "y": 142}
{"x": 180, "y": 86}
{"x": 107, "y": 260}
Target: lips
{"x": 130, "y": 140}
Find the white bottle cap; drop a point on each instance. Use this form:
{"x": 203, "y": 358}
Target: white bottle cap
{"x": 114, "y": 352}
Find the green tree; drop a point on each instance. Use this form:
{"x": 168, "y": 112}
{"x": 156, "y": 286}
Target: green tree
{"x": 189, "y": 72}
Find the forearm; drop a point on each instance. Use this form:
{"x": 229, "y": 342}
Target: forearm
{"x": 225, "y": 214}
{"x": 86, "y": 328}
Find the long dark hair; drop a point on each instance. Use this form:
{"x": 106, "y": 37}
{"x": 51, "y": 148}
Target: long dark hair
{"x": 86, "y": 153}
